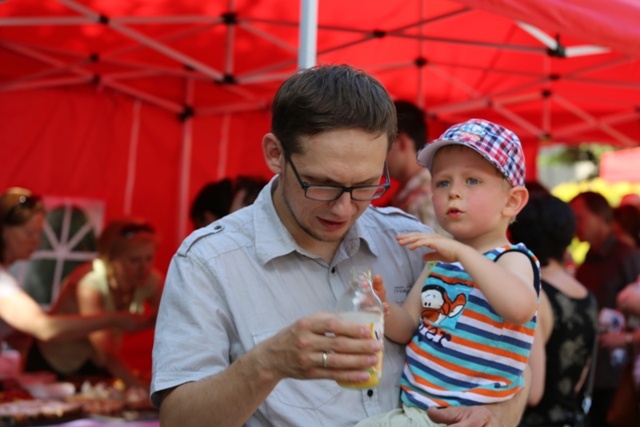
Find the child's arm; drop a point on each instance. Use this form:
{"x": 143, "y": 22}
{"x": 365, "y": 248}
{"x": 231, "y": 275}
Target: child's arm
{"x": 400, "y": 323}
{"x": 538, "y": 357}
{"x": 506, "y": 283}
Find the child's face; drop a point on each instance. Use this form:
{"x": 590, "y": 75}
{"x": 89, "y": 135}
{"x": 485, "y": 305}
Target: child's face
{"x": 469, "y": 194}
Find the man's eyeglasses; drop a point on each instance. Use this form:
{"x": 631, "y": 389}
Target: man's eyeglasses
{"x": 24, "y": 202}
{"x": 132, "y": 229}
{"x": 328, "y": 193}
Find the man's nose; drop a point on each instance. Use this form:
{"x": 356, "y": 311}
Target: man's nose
{"x": 342, "y": 204}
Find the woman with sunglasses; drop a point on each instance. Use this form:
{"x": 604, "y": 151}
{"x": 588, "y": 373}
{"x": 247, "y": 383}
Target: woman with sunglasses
{"x": 22, "y": 216}
{"x": 122, "y": 277}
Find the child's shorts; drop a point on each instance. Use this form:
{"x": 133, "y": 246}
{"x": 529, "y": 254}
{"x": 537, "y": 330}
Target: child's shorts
{"x": 407, "y": 416}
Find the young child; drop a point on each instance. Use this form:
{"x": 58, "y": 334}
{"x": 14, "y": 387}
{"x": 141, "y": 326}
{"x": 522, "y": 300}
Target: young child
{"x": 476, "y": 310}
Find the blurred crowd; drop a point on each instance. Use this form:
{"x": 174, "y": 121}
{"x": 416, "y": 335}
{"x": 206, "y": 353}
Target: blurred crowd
{"x": 82, "y": 334}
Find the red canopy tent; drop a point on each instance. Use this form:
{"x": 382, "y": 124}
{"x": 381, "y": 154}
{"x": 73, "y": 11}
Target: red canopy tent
{"x": 139, "y": 103}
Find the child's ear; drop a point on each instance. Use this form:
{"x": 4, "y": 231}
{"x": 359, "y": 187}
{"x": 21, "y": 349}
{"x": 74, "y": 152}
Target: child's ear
{"x": 517, "y": 199}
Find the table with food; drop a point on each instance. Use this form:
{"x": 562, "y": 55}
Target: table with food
{"x": 37, "y": 399}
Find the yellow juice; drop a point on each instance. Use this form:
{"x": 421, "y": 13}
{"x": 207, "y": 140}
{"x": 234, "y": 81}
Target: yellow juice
{"x": 375, "y": 321}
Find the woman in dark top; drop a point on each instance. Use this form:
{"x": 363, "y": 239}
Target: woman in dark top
{"x": 567, "y": 317}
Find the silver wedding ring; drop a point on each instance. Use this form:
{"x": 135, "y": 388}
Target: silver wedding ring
{"x": 325, "y": 358}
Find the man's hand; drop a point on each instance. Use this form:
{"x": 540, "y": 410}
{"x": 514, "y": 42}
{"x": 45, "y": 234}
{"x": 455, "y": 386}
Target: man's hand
{"x": 298, "y": 350}
{"x": 611, "y": 340}
{"x": 464, "y": 416}
{"x": 131, "y": 322}
{"x": 502, "y": 414}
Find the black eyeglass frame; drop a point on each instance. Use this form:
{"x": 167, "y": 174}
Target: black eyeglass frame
{"x": 306, "y": 186}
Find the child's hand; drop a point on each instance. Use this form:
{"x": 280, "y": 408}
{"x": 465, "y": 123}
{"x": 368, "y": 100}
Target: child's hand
{"x": 378, "y": 288}
{"x": 630, "y": 293}
{"x": 381, "y": 292}
{"x": 444, "y": 248}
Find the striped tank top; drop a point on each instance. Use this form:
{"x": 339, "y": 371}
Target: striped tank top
{"x": 463, "y": 353}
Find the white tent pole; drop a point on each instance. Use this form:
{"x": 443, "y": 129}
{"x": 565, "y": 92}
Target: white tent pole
{"x": 308, "y": 34}
{"x": 185, "y": 165}
{"x": 132, "y": 162}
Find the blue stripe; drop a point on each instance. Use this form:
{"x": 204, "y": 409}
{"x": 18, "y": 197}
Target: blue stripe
{"x": 434, "y": 373}
{"x": 524, "y": 345}
{"x": 474, "y": 299}
{"x": 408, "y": 399}
{"x": 468, "y": 358}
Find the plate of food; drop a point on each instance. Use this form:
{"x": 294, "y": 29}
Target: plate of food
{"x": 114, "y": 402}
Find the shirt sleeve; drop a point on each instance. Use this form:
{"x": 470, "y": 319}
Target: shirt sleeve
{"x": 194, "y": 324}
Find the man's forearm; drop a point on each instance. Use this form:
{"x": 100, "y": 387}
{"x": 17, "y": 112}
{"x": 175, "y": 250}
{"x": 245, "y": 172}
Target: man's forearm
{"x": 228, "y": 398}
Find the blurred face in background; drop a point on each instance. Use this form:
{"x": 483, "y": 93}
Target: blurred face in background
{"x": 134, "y": 264}
{"x": 588, "y": 224}
{"x": 21, "y": 241}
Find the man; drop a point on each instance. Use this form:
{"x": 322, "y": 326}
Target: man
{"x": 414, "y": 195}
{"x": 608, "y": 267}
{"x": 246, "y": 333}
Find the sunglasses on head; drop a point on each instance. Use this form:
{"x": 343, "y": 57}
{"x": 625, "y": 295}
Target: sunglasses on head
{"x": 131, "y": 230}
{"x": 24, "y": 202}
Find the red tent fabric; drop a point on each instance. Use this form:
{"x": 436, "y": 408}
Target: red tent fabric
{"x": 621, "y": 166}
{"x": 611, "y": 24}
{"x": 139, "y": 103}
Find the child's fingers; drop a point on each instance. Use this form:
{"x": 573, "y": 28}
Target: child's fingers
{"x": 432, "y": 256}
{"x": 378, "y": 287}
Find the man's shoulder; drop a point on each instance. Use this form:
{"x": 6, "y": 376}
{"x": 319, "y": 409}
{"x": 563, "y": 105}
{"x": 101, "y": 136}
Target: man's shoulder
{"x": 389, "y": 217}
{"x": 220, "y": 236}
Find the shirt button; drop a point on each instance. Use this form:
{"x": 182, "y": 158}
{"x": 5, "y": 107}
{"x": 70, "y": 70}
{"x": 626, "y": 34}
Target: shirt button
{"x": 369, "y": 392}
{"x": 333, "y": 270}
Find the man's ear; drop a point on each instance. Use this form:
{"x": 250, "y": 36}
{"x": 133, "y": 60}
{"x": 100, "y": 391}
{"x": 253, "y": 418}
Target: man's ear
{"x": 404, "y": 142}
{"x": 516, "y": 200}
{"x": 273, "y": 153}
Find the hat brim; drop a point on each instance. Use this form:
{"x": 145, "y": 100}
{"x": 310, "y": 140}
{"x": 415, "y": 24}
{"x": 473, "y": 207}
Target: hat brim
{"x": 428, "y": 152}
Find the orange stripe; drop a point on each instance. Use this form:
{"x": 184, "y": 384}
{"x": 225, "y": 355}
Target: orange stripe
{"x": 496, "y": 394}
{"x": 486, "y": 319}
{"x": 482, "y": 318}
{"x": 454, "y": 367}
{"x": 452, "y": 280}
{"x": 492, "y": 350}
